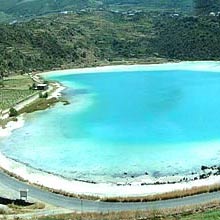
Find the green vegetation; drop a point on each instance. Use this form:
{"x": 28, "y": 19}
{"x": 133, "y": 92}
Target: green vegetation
{"x": 11, "y": 97}
{"x": 43, "y": 95}
{"x": 5, "y": 17}
{"x": 101, "y": 38}
{"x": 207, "y": 215}
{"x": 38, "y": 105}
{"x": 13, "y": 112}
{"x": 185, "y": 6}
{"x": 206, "y": 6}
{"x": 19, "y": 209}
{"x": 23, "y": 9}
{"x": 21, "y": 82}
{"x": 14, "y": 90}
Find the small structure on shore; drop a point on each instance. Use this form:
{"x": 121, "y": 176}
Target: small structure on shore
{"x": 41, "y": 86}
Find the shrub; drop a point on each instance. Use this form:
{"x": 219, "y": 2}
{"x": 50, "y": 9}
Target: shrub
{"x": 33, "y": 86}
{"x": 40, "y": 95}
{"x": 43, "y": 95}
{"x": 13, "y": 112}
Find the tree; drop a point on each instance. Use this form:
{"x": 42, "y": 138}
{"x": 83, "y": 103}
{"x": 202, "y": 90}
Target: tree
{"x": 1, "y": 79}
{"x": 13, "y": 112}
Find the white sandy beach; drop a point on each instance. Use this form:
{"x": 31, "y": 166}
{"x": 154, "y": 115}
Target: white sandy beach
{"x": 102, "y": 190}
{"x": 105, "y": 190}
{"x": 11, "y": 126}
{"x": 210, "y": 66}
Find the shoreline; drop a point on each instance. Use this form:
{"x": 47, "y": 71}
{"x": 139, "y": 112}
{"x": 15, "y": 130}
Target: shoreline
{"x": 104, "y": 190}
{"x": 12, "y": 125}
{"x": 210, "y": 66}
{"x": 76, "y": 188}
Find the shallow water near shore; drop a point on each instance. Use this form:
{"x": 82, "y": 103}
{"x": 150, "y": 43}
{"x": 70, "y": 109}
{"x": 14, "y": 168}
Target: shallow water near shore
{"x": 123, "y": 125}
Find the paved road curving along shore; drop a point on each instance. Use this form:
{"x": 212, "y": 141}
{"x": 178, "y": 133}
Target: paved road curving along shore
{"x": 96, "y": 206}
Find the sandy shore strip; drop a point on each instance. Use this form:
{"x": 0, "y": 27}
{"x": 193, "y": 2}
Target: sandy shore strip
{"x": 102, "y": 190}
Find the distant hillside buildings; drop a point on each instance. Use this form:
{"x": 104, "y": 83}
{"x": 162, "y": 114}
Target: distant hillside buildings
{"x": 205, "y": 7}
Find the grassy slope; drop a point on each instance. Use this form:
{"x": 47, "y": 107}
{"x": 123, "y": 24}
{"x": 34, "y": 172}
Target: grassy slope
{"x": 73, "y": 40}
{"x": 23, "y": 9}
{"x": 178, "y": 5}
{"x": 64, "y": 41}
{"x": 31, "y": 8}
{"x": 209, "y": 215}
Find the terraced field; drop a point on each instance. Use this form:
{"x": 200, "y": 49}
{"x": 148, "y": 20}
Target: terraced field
{"x": 14, "y": 90}
{"x": 10, "y": 97}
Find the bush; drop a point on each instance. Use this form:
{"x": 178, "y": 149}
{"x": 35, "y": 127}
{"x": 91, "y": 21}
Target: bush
{"x": 40, "y": 95}
{"x": 13, "y": 112}
{"x": 43, "y": 95}
{"x": 33, "y": 86}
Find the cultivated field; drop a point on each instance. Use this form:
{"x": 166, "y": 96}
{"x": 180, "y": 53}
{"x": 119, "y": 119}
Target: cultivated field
{"x": 14, "y": 90}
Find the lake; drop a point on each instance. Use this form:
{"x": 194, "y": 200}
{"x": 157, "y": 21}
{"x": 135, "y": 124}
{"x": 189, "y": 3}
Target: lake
{"x": 124, "y": 124}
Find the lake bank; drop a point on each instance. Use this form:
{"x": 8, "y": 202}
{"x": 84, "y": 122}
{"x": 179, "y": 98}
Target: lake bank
{"x": 105, "y": 192}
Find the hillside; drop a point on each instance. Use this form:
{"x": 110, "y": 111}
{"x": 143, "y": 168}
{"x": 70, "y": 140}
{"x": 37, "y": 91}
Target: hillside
{"x": 64, "y": 41}
{"x": 178, "y": 5}
{"x": 23, "y": 9}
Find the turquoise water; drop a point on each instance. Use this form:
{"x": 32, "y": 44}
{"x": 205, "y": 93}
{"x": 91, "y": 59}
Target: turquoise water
{"x": 160, "y": 122}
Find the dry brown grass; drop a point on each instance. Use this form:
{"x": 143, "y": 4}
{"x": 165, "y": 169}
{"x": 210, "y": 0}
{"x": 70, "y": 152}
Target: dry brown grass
{"x": 176, "y": 213}
{"x": 3, "y": 211}
{"x": 168, "y": 195}
{"x": 35, "y": 206}
{"x": 4, "y": 122}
